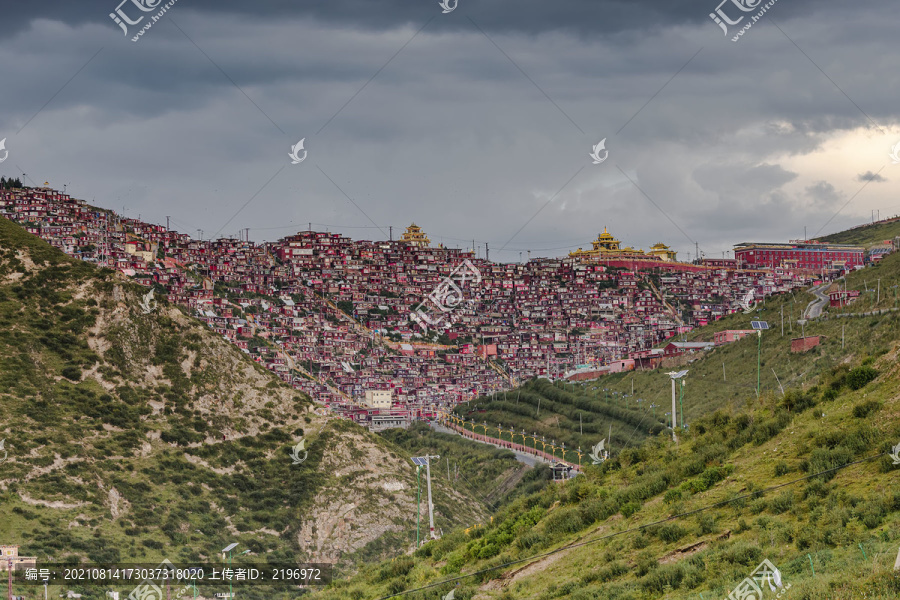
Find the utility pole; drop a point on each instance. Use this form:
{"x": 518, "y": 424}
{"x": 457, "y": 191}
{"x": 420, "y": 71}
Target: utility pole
{"x": 487, "y": 252}
{"x": 167, "y": 222}
{"x": 391, "y": 232}
{"x": 782, "y": 320}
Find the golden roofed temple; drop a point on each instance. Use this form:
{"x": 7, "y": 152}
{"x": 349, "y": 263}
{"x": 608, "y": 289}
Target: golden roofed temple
{"x": 606, "y": 246}
{"x": 414, "y": 236}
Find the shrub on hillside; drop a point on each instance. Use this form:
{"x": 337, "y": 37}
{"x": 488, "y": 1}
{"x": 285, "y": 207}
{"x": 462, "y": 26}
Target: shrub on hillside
{"x": 564, "y": 521}
{"x": 859, "y": 377}
{"x": 72, "y": 372}
{"x": 782, "y": 502}
{"x": 863, "y": 410}
{"x": 797, "y": 401}
{"x": 629, "y": 508}
{"x": 742, "y": 553}
{"x": 666, "y": 575}
{"x": 823, "y": 459}
{"x": 669, "y": 532}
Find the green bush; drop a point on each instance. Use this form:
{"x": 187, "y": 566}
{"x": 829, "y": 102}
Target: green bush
{"x": 670, "y": 532}
{"x": 629, "y": 508}
{"x": 672, "y": 496}
{"x": 707, "y": 524}
{"x": 665, "y": 576}
{"x": 782, "y": 502}
{"x": 863, "y": 410}
{"x": 823, "y": 459}
{"x": 859, "y": 377}
{"x": 742, "y": 553}
{"x": 71, "y": 372}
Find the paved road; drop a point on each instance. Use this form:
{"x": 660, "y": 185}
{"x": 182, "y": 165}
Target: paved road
{"x": 814, "y": 308}
{"x": 528, "y": 459}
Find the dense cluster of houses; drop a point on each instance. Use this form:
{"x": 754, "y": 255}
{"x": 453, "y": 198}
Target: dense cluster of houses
{"x": 331, "y": 315}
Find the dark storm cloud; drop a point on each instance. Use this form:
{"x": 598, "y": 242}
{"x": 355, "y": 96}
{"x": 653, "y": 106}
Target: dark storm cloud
{"x": 581, "y": 17}
{"x": 456, "y": 130}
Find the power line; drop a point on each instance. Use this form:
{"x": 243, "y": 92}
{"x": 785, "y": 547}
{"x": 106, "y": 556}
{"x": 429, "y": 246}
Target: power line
{"x": 634, "y": 529}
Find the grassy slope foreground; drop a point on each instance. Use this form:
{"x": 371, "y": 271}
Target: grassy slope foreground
{"x": 134, "y": 436}
{"x": 749, "y": 463}
{"x": 866, "y": 235}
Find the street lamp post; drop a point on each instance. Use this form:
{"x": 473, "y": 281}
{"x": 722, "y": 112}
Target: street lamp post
{"x": 675, "y": 376}
{"x": 759, "y": 326}
{"x": 229, "y": 549}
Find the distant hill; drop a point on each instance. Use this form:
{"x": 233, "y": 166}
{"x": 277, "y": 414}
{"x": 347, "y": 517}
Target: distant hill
{"x": 135, "y": 433}
{"x": 866, "y": 235}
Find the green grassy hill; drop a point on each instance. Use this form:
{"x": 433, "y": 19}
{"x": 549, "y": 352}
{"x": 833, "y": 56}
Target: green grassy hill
{"x": 866, "y": 235}
{"x": 577, "y": 415}
{"x": 801, "y": 480}
{"x": 137, "y": 436}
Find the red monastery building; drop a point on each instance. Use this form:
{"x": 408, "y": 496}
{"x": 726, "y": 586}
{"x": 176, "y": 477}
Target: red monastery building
{"x": 800, "y": 255}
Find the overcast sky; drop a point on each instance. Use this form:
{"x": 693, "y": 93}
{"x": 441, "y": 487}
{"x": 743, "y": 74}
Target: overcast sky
{"x": 477, "y": 123}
